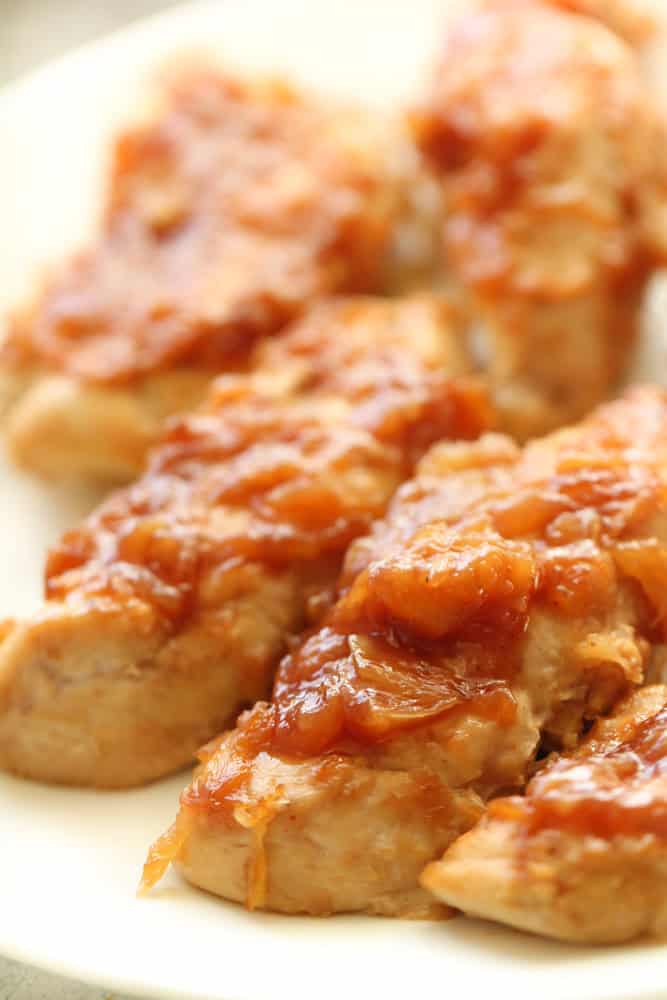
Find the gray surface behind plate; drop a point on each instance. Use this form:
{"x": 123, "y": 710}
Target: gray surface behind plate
{"x": 33, "y": 31}
{"x": 20, "y": 982}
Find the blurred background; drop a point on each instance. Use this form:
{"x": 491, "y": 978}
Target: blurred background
{"x": 33, "y": 31}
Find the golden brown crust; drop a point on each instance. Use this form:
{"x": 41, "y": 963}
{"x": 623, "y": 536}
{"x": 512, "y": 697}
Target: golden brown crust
{"x": 62, "y": 428}
{"x": 554, "y": 207}
{"x": 511, "y": 594}
{"x": 230, "y": 541}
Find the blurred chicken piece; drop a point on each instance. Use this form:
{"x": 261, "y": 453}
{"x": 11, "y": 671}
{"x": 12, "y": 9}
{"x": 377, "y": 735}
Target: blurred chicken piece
{"x": 551, "y": 157}
{"x": 232, "y": 208}
{"x": 169, "y": 608}
{"x": 508, "y": 597}
{"x": 633, "y": 20}
{"x": 583, "y": 856}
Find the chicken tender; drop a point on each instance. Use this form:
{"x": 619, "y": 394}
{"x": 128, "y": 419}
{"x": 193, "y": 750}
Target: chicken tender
{"x": 551, "y": 157}
{"x": 507, "y": 599}
{"x": 583, "y": 856}
{"x": 232, "y": 208}
{"x": 169, "y": 608}
{"x": 633, "y": 20}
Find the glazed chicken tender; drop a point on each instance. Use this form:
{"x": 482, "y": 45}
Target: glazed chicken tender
{"x": 583, "y": 856}
{"x": 551, "y": 157}
{"x": 633, "y": 20}
{"x": 507, "y": 599}
{"x": 234, "y": 206}
{"x": 169, "y": 608}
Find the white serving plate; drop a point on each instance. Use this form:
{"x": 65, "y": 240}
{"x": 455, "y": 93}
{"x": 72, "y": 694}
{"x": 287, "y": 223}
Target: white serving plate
{"x": 69, "y": 859}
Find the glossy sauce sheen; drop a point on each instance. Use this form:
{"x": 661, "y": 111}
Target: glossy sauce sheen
{"x": 487, "y": 129}
{"x": 227, "y": 214}
{"x": 612, "y": 787}
{"x": 282, "y": 467}
{"x": 435, "y": 623}
{"x": 550, "y": 155}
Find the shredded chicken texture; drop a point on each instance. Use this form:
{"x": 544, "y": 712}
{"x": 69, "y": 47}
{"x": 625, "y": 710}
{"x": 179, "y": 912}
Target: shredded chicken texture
{"x": 232, "y": 208}
{"x": 507, "y": 599}
{"x": 551, "y": 156}
{"x": 169, "y": 608}
{"x": 583, "y": 855}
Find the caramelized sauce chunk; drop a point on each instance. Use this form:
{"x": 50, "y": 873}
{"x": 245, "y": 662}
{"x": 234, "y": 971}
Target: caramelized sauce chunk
{"x": 436, "y": 623}
{"x": 283, "y": 467}
{"x": 615, "y": 785}
{"x": 237, "y": 205}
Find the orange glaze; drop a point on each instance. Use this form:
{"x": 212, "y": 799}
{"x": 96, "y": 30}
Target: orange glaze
{"x": 339, "y": 693}
{"x": 226, "y": 214}
{"x": 438, "y": 622}
{"x": 283, "y": 467}
{"x": 548, "y": 149}
{"x": 604, "y": 791}
{"x": 501, "y": 148}
{"x": 632, "y": 20}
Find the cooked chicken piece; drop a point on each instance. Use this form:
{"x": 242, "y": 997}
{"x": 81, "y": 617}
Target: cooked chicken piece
{"x": 508, "y": 596}
{"x": 552, "y": 159}
{"x": 237, "y": 204}
{"x": 169, "y": 608}
{"x": 583, "y": 856}
{"x": 233, "y": 207}
{"x": 633, "y": 20}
